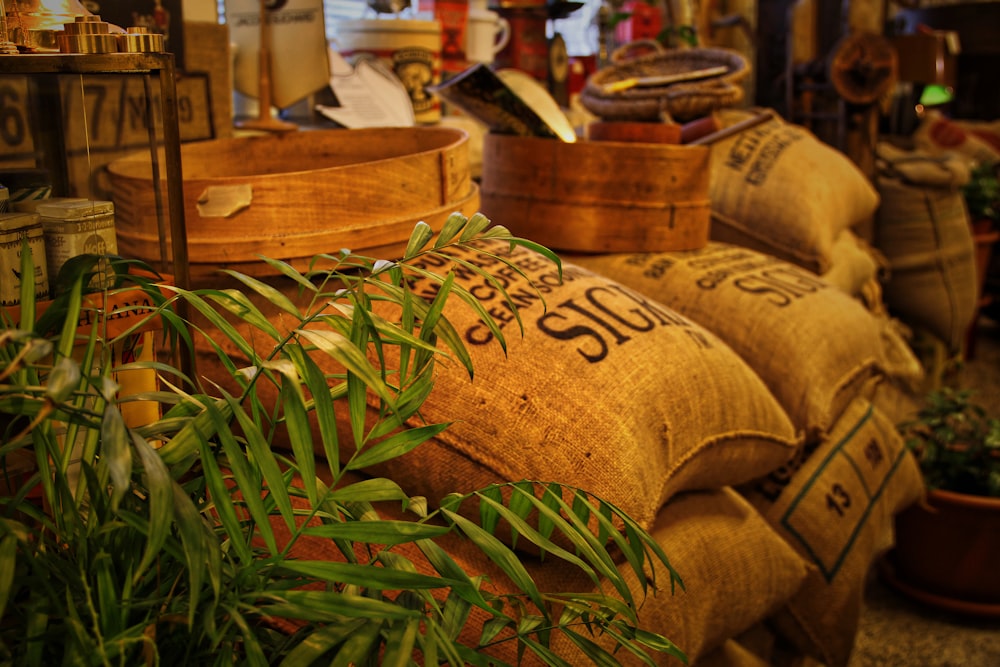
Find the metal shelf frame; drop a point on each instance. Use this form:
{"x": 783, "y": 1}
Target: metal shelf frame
{"x": 45, "y": 66}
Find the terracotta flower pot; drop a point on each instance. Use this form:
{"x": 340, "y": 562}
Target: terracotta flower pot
{"x": 947, "y": 551}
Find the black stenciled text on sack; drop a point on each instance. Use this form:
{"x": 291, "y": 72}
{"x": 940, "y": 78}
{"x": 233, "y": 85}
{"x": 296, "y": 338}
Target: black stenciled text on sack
{"x": 756, "y": 151}
{"x": 602, "y": 317}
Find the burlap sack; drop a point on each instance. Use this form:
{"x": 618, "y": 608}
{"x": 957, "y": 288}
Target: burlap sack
{"x": 736, "y": 571}
{"x": 853, "y": 264}
{"x": 920, "y": 167}
{"x": 924, "y": 234}
{"x": 732, "y": 654}
{"x": 974, "y": 143}
{"x": 778, "y": 189}
{"x": 835, "y": 506}
{"x": 814, "y": 346}
{"x": 608, "y": 391}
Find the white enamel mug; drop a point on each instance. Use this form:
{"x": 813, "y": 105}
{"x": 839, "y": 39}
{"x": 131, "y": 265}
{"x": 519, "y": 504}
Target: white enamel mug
{"x": 486, "y": 33}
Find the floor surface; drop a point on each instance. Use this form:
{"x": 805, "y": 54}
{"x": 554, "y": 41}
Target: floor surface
{"x": 898, "y": 632}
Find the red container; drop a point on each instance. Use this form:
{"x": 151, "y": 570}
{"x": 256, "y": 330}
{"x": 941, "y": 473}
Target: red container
{"x": 528, "y": 48}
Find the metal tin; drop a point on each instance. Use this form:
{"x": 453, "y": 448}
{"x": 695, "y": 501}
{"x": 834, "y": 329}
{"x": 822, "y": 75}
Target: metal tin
{"x": 15, "y": 228}
{"x": 26, "y": 185}
{"x": 75, "y": 228}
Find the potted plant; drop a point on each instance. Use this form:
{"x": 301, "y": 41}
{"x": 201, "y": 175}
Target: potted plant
{"x": 947, "y": 547}
{"x": 172, "y": 541}
{"x": 982, "y": 199}
{"x": 982, "y": 196}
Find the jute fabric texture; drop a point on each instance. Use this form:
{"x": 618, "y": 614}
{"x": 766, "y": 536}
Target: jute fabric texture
{"x": 836, "y": 506}
{"x": 777, "y": 188}
{"x": 607, "y": 390}
{"x": 924, "y": 233}
{"x": 853, "y": 264}
{"x": 736, "y": 570}
{"x": 814, "y": 346}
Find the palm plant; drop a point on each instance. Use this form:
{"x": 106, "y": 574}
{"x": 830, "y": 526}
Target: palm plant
{"x": 175, "y": 541}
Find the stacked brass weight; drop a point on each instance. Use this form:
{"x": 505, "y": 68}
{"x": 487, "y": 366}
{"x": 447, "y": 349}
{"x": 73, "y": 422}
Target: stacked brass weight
{"x": 87, "y": 34}
{"x": 138, "y": 39}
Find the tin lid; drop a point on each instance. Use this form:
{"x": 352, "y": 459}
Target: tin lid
{"x": 31, "y": 205}
{"x": 17, "y": 178}
{"x": 10, "y": 222}
{"x": 74, "y": 209}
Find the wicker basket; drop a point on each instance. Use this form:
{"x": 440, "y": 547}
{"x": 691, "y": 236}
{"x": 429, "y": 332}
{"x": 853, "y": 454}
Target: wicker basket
{"x": 682, "y": 101}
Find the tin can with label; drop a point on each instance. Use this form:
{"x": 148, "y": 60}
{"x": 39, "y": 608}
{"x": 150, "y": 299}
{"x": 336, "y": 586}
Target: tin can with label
{"x": 411, "y": 48}
{"x": 15, "y": 229}
{"x": 75, "y": 228}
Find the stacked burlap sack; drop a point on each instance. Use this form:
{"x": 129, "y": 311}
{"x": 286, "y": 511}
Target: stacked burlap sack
{"x": 824, "y": 356}
{"x": 728, "y": 399}
{"x": 614, "y": 392}
{"x": 776, "y": 188}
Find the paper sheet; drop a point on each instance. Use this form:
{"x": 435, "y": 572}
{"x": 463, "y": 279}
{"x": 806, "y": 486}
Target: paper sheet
{"x": 369, "y": 95}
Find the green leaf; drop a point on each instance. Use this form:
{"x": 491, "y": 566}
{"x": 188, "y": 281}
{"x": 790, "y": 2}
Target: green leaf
{"x": 591, "y": 649}
{"x": 220, "y": 497}
{"x": 63, "y": 380}
{"x": 116, "y": 455}
{"x": 348, "y": 355}
{"x": 8, "y": 565}
{"x": 201, "y": 551}
{"x": 186, "y": 441}
{"x": 326, "y": 418}
{"x": 252, "y": 651}
{"x": 522, "y": 527}
{"x": 320, "y": 642}
{"x": 377, "y": 532}
{"x": 446, "y": 566}
{"x": 544, "y": 652}
{"x": 287, "y": 270}
{"x": 421, "y": 234}
{"x": 476, "y": 224}
{"x": 370, "y": 490}
{"x": 394, "y": 446}
{"x": 248, "y": 482}
{"x": 400, "y": 638}
{"x": 299, "y": 435}
{"x": 660, "y": 643}
{"x": 238, "y": 304}
{"x": 334, "y": 605}
{"x": 159, "y": 490}
{"x": 359, "y": 645}
{"x": 273, "y": 295}
{"x": 500, "y": 554}
{"x": 489, "y": 518}
{"x": 366, "y": 576}
{"x": 583, "y": 539}
{"x": 454, "y": 224}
